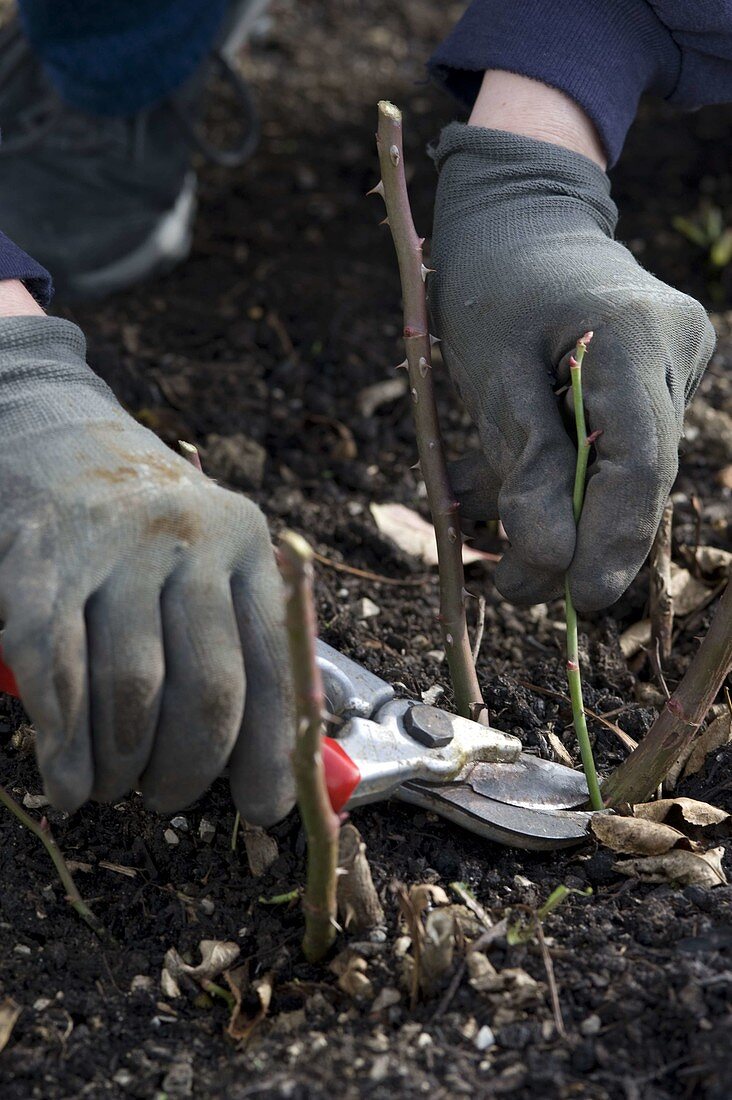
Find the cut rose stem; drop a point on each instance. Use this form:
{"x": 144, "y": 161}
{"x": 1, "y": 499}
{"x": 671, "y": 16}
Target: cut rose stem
{"x": 42, "y": 830}
{"x": 393, "y": 189}
{"x": 574, "y": 677}
{"x": 321, "y": 823}
{"x": 678, "y": 723}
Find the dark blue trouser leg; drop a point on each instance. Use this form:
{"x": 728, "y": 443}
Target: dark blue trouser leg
{"x": 114, "y": 57}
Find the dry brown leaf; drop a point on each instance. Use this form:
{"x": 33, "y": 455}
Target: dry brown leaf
{"x": 9, "y": 1013}
{"x": 359, "y": 906}
{"x": 251, "y": 1001}
{"x": 351, "y": 968}
{"x": 438, "y": 950}
{"x": 717, "y": 734}
{"x": 687, "y": 591}
{"x": 635, "y": 638}
{"x": 424, "y": 895}
{"x": 681, "y": 868}
{"x": 680, "y": 812}
{"x": 713, "y": 560}
{"x": 261, "y": 848}
{"x": 415, "y": 536}
{"x": 216, "y": 956}
{"x": 636, "y": 836}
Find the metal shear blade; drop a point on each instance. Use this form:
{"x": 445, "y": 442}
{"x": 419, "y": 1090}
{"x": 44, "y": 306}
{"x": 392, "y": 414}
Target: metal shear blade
{"x": 474, "y": 775}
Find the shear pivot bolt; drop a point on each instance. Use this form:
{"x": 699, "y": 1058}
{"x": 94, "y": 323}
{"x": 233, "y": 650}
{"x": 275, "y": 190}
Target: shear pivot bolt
{"x": 428, "y": 725}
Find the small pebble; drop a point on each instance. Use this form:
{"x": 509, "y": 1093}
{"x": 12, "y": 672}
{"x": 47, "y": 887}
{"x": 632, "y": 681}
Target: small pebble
{"x": 171, "y": 837}
{"x": 206, "y": 830}
{"x": 41, "y": 1003}
{"x": 342, "y": 593}
{"x": 180, "y": 822}
{"x": 22, "y": 949}
{"x": 591, "y": 1026}
{"x": 367, "y": 609}
{"x": 207, "y": 906}
{"x": 141, "y": 983}
{"x": 35, "y": 801}
{"x": 485, "y": 1038}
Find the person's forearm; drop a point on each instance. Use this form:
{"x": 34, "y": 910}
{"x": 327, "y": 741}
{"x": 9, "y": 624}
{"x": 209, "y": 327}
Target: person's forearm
{"x": 16, "y": 301}
{"x": 520, "y": 105}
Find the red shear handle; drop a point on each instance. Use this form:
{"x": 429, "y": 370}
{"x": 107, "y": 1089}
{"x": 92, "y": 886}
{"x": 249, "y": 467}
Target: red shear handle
{"x": 341, "y": 774}
{"x": 7, "y": 680}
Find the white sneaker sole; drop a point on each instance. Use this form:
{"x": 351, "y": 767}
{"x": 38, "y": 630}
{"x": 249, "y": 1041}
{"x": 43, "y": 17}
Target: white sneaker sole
{"x": 167, "y": 245}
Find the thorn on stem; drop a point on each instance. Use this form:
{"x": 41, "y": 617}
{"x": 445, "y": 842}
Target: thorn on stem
{"x": 424, "y": 366}
{"x": 377, "y": 190}
{"x": 384, "y": 221}
{"x": 426, "y": 271}
{"x": 434, "y": 340}
{"x": 402, "y": 366}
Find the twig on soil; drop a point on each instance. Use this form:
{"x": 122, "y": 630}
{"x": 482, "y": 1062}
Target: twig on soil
{"x": 443, "y": 507}
{"x": 625, "y": 738}
{"x": 42, "y": 830}
{"x": 574, "y": 678}
{"x": 365, "y": 574}
{"x": 321, "y": 823}
{"x": 661, "y": 600}
{"x": 678, "y": 723}
{"x": 551, "y": 979}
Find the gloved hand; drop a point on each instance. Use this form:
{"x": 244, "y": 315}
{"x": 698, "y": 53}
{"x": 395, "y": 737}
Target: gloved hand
{"x": 525, "y": 263}
{"x": 142, "y": 604}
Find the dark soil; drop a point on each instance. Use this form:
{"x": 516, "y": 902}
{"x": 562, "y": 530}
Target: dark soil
{"x": 288, "y": 308}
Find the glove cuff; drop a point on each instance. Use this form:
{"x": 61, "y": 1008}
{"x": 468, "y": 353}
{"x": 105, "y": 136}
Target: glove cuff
{"x": 513, "y": 166}
{"x": 44, "y": 377}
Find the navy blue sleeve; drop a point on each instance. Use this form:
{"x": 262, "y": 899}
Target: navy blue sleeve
{"x": 603, "y": 53}
{"x": 16, "y": 264}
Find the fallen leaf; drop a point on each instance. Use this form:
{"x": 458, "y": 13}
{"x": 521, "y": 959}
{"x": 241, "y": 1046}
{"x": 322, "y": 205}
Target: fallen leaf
{"x": 350, "y": 968}
{"x": 9, "y": 1013}
{"x": 251, "y": 1001}
{"x": 635, "y": 638}
{"x": 425, "y": 895}
{"x": 681, "y": 868}
{"x": 415, "y": 536}
{"x": 713, "y": 560}
{"x": 636, "y": 836}
{"x": 261, "y": 848}
{"x": 687, "y": 591}
{"x": 717, "y": 734}
{"x": 438, "y": 950}
{"x": 681, "y": 812}
{"x": 216, "y": 956}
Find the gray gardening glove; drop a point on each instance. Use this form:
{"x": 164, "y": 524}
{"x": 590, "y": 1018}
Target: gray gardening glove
{"x": 526, "y": 263}
{"x": 142, "y": 605}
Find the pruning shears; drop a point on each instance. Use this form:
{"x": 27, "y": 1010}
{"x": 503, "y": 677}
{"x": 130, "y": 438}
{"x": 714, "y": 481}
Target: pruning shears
{"x": 476, "y": 776}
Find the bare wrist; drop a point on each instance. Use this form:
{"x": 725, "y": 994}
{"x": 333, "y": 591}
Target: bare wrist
{"x": 520, "y": 105}
{"x": 16, "y": 301}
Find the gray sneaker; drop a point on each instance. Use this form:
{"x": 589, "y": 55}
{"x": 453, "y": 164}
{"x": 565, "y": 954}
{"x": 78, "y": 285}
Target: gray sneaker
{"x": 104, "y": 203}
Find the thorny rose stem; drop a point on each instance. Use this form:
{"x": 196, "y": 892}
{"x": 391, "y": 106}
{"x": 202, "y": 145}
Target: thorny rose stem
{"x": 320, "y": 821}
{"x": 574, "y": 678}
{"x": 393, "y": 189}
